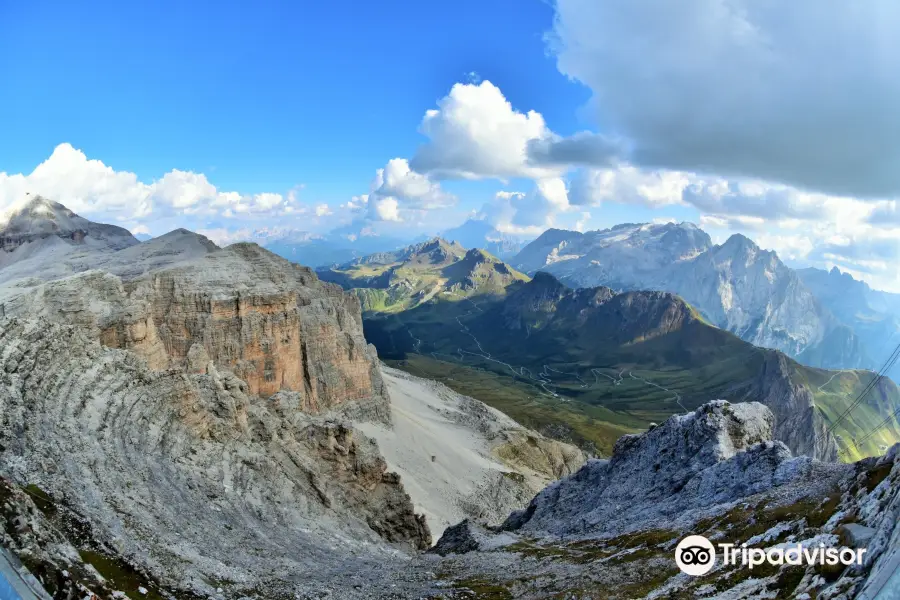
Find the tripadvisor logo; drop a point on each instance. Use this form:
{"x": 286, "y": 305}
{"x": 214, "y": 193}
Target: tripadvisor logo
{"x": 696, "y": 555}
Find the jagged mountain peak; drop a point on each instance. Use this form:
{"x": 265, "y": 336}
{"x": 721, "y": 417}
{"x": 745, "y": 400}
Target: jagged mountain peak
{"x": 479, "y": 270}
{"x": 434, "y": 251}
{"x": 435, "y": 243}
{"x": 477, "y": 255}
{"x": 740, "y": 241}
{"x": 844, "y": 278}
{"x": 543, "y": 280}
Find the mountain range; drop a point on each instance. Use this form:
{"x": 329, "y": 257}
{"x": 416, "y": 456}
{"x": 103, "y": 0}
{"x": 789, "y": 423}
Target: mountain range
{"x": 346, "y": 244}
{"x": 314, "y": 250}
{"x": 872, "y": 315}
{"x": 396, "y": 281}
{"x": 735, "y": 285}
{"x": 588, "y": 364}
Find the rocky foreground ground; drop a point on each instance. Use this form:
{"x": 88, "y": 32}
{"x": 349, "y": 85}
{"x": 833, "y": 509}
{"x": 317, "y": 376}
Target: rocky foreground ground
{"x": 610, "y": 530}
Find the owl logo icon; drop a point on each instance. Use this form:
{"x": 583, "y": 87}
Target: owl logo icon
{"x": 695, "y": 555}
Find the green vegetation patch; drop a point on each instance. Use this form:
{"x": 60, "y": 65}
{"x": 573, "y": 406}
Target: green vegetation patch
{"x": 121, "y": 576}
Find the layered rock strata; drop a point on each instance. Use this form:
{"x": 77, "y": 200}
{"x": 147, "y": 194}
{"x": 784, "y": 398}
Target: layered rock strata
{"x": 190, "y": 476}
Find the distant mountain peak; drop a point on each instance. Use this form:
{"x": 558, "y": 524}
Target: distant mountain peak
{"x": 37, "y": 212}
{"x": 37, "y": 217}
{"x": 182, "y": 235}
{"x": 437, "y": 242}
{"x": 435, "y": 250}
{"x": 741, "y": 241}
{"x": 480, "y": 233}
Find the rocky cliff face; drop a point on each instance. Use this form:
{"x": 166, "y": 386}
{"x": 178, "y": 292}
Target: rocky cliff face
{"x": 272, "y": 323}
{"x": 798, "y": 423}
{"x": 675, "y": 467}
{"x": 737, "y": 286}
{"x": 282, "y": 331}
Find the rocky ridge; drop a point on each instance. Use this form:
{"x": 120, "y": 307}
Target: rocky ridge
{"x": 178, "y": 301}
{"x": 388, "y": 282}
{"x": 609, "y": 530}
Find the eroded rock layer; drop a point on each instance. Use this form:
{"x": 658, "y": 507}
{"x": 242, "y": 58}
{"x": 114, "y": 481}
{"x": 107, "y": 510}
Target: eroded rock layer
{"x": 190, "y": 476}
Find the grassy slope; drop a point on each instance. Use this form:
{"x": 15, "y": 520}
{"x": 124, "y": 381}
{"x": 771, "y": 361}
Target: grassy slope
{"x": 589, "y": 408}
{"x": 835, "y": 390}
{"x": 592, "y": 427}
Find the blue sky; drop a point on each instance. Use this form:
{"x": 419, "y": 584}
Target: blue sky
{"x": 228, "y": 117}
{"x": 261, "y": 97}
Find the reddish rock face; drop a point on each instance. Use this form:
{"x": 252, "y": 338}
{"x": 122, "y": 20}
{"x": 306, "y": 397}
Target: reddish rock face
{"x": 272, "y": 323}
{"x": 280, "y": 342}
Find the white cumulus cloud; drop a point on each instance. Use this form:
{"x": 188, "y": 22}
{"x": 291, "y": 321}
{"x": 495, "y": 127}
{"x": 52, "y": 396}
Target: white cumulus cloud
{"x": 475, "y": 133}
{"x": 528, "y": 212}
{"x": 95, "y": 190}
{"x": 629, "y": 185}
{"x": 396, "y": 190}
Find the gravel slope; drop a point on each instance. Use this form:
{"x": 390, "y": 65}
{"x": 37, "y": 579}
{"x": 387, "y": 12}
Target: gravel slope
{"x": 444, "y": 446}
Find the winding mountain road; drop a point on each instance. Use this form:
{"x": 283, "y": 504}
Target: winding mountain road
{"x": 676, "y": 397}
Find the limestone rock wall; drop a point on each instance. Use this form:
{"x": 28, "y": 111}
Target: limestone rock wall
{"x": 272, "y": 323}
{"x": 798, "y": 423}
